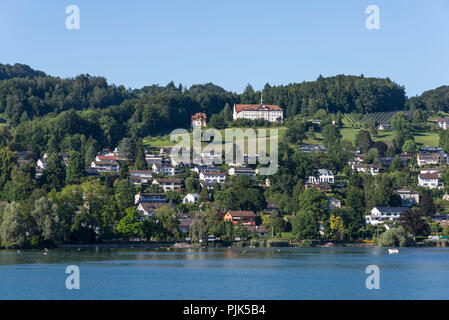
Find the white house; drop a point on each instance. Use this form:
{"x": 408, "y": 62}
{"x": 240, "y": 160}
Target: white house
{"x": 148, "y": 209}
{"x": 218, "y": 177}
{"x": 150, "y": 198}
{"x": 199, "y": 169}
{"x": 166, "y": 170}
{"x": 428, "y": 180}
{"x": 366, "y": 168}
{"x": 242, "y": 171}
{"x": 191, "y": 198}
{"x": 428, "y": 158}
{"x": 271, "y": 113}
{"x": 380, "y": 214}
{"x": 324, "y": 175}
{"x": 168, "y": 184}
{"x": 443, "y": 123}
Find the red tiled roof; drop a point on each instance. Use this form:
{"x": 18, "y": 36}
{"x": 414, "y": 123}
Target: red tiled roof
{"x": 242, "y": 213}
{"x": 428, "y": 175}
{"x": 107, "y": 157}
{"x": 255, "y": 107}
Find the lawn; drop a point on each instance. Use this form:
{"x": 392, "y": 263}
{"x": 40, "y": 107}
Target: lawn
{"x": 164, "y": 141}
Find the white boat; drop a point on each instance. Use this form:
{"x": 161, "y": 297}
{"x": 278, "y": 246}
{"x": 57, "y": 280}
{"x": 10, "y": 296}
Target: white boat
{"x": 393, "y": 251}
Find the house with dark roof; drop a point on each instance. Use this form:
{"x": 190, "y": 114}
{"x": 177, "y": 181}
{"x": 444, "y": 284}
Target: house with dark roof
{"x": 168, "y": 184}
{"x": 408, "y": 196}
{"x": 379, "y": 215}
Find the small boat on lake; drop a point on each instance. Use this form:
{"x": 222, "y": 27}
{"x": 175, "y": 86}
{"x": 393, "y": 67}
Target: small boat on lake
{"x": 393, "y": 251}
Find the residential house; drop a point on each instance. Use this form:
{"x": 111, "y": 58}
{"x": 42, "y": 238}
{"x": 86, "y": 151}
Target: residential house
{"x": 244, "y": 217}
{"x": 168, "y": 184}
{"x": 142, "y": 197}
{"x": 153, "y": 159}
{"x": 307, "y": 148}
{"x": 323, "y": 186}
{"x": 384, "y": 127}
{"x": 429, "y": 180}
{"x": 215, "y": 177}
{"x": 208, "y": 185}
{"x": 138, "y": 177}
{"x": 272, "y": 208}
{"x": 324, "y": 175}
{"x": 443, "y": 123}
{"x": 428, "y": 158}
{"x": 185, "y": 221}
{"x": 148, "y": 209}
{"x": 105, "y": 165}
{"x": 199, "y": 169}
{"x": 379, "y": 215}
{"x": 261, "y": 231}
{"x": 333, "y": 204}
{"x": 191, "y": 198}
{"x": 239, "y": 171}
{"x": 198, "y": 119}
{"x": 408, "y": 196}
{"x": 405, "y": 157}
{"x": 166, "y": 170}
{"x": 366, "y": 168}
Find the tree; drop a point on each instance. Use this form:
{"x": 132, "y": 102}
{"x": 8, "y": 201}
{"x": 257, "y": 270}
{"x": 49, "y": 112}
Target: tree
{"x": 75, "y": 168}
{"x": 363, "y": 140}
{"x": 7, "y": 163}
{"x": 20, "y": 186}
{"x": 192, "y": 185}
{"x": 396, "y": 164}
{"x": 167, "y": 218}
{"x": 130, "y": 225}
{"x": 217, "y": 121}
{"x": 54, "y": 172}
{"x": 13, "y": 228}
{"x": 355, "y": 199}
{"x": 46, "y": 216}
{"x": 227, "y": 113}
{"x": 410, "y": 146}
{"x": 240, "y": 231}
{"x": 427, "y": 206}
{"x": 313, "y": 200}
{"x": 296, "y": 130}
{"x": 127, "y": 149}
{"x": 400, "y": 122}
{"x": 305, "y": 224}
{"x": 337, "y": 227}
{"x": 124, "y": 192}
{"x": 413, "y": 221}
{"x": 396, "y": 237}
{"x": 204, "y": 195}
{"x": 140, "y": 162}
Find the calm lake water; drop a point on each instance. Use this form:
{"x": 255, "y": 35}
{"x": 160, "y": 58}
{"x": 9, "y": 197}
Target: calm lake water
{"x": 258, "y": 273}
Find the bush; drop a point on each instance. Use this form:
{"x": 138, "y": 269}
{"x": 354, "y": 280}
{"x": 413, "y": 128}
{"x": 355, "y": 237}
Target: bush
{"x": 396, "y": 237}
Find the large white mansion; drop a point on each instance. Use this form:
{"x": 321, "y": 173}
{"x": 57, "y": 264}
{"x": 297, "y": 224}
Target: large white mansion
{"x": 271, "y": 113}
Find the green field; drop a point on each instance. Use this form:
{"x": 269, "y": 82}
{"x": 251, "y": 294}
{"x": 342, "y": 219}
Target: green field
{"x": 164, "y": 141}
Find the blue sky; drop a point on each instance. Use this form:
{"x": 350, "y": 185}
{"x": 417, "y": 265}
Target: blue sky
{"x": 230, "y": 43}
